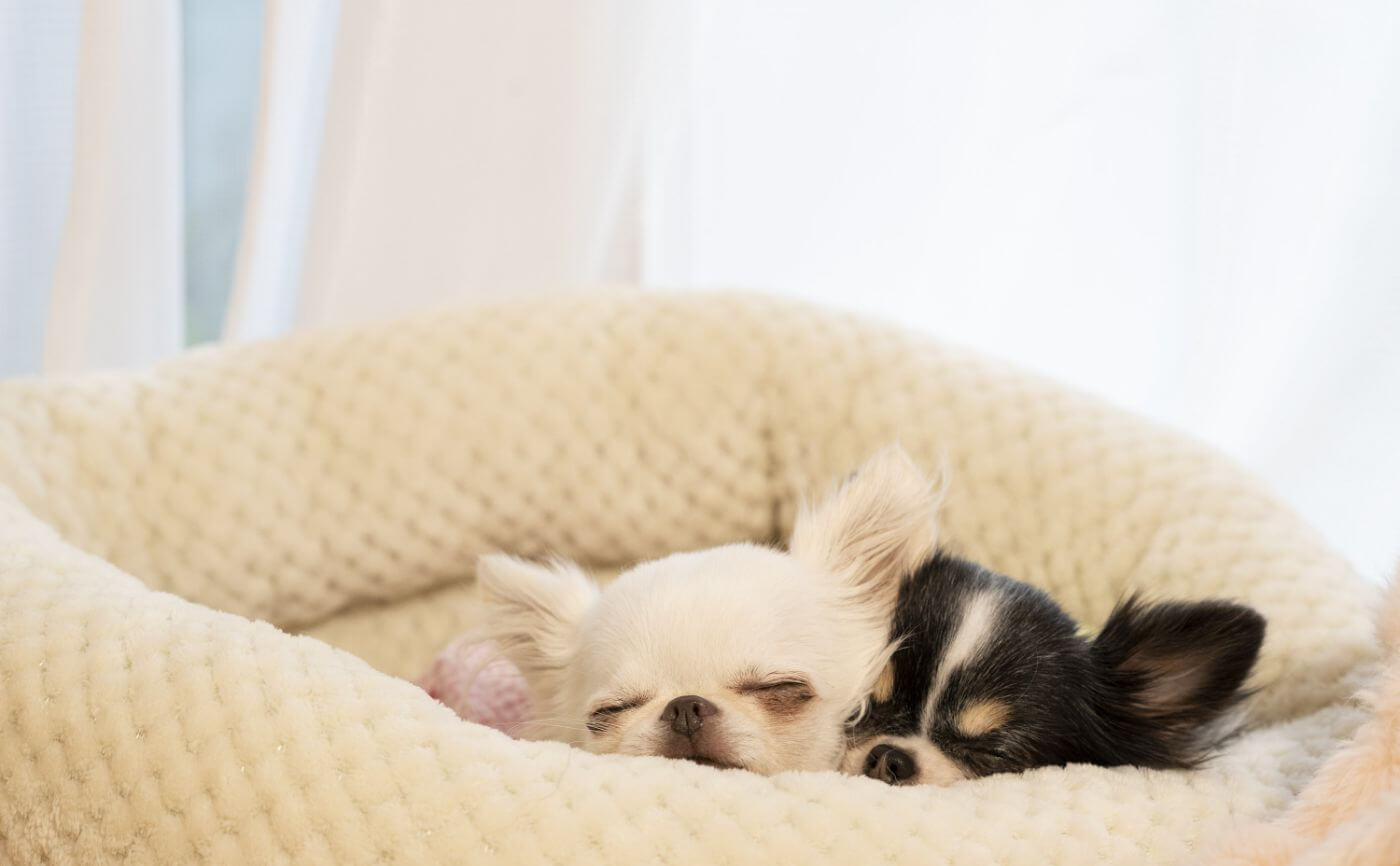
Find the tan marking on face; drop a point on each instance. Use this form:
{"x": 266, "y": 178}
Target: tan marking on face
{"x": 983, "y": 717}
{"x": 884, "y": 686}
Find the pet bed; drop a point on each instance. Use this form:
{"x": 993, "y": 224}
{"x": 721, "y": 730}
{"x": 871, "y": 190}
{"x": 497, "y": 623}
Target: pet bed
{"x": 213, "y": 572}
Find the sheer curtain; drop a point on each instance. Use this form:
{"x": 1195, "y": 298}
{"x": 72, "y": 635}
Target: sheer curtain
{"x": 38, "y": 71}
{"x": 469, "y": 150}
{"x": 1187, "y": 206}
{"x": 90, "y": 229}
{"x": 117, "y": 294}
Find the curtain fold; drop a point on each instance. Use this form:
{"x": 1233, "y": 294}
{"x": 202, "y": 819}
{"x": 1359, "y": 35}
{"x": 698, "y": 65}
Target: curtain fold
{"x": 299, "y": 38}
{"x": 117, "y": 297}
{"x": 481, "y": 149}
{"x": 38, "y": 68}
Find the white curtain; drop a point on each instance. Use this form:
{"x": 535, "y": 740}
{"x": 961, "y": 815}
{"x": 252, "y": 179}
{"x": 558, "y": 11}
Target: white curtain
{"x": 1187, "y": 206}
{"x": 297, "y": 52}
{"x": 116, "y": 295}
{"x": 118, "y": 285}
{"x": 38, "y": 70}
{"x": 473, "y": 149}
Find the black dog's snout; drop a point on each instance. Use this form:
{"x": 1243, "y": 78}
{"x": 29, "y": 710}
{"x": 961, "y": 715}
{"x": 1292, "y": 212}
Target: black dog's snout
{"x": 890, "y": 764}
{"x": 687, "y": 713}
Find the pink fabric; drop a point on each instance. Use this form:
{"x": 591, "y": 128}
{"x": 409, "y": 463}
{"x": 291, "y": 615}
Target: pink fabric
{"x": 478, "y": 684}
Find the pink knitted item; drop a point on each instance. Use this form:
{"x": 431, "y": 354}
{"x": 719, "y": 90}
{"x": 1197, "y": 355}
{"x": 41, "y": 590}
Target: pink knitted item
{"x": 478, "y": 684}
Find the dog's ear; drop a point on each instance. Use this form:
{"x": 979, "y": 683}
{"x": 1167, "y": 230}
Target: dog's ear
{"x": 876, "y": 528}
{"x": 532, "y": 612}
{"x": 1178, "y": 667}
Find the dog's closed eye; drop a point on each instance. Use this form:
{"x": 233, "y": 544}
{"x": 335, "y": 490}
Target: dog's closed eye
{"x": 603, "y": 716}
{"x": 783, "y": 696}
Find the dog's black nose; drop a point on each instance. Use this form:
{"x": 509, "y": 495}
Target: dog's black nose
{"x": 687, "y": 713}
{"x": 890, "y": 764}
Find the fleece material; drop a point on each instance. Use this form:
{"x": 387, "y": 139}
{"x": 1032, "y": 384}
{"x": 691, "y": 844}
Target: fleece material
{"x": 214, "y": 572}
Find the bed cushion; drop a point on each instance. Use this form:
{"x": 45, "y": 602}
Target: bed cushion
{"x": 213, "y": 574}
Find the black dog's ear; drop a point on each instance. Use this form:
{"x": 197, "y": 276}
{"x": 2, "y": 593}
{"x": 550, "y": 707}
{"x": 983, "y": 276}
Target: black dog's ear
{"x": 1174, "y": 669}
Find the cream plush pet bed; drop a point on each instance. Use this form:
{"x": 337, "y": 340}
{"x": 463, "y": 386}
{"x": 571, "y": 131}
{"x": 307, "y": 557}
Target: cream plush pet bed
{"x": 166, "y": 535}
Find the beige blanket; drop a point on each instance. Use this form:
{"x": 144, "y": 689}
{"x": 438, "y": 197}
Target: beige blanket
{"x": 165, "y": 535}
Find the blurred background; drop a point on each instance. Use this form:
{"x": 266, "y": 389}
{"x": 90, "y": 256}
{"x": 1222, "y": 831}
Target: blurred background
{"x": 1189, "y": 207}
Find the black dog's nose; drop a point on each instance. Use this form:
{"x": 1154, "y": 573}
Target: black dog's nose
{"x": 687, "y": 713}
{"x": 890, "y": 764}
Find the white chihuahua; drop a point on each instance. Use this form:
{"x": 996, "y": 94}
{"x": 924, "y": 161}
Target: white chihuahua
{"x": 737, "y": 656}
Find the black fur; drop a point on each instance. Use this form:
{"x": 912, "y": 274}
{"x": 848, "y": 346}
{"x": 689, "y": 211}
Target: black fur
{"x": 1148, "y": 691}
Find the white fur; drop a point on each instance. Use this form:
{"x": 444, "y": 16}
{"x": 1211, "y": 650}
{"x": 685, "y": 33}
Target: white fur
{"x": 875, "y": 529}
{"x": 537, "y": 609}
{"x": 934, "y": 767}
{"x": 709, "y": 622}
{"x": 974, "y": 627}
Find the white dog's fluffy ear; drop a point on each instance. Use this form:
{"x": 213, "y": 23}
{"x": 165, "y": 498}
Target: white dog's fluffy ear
{"x": 875, "y": 529}
{"x": 532, "y": 612}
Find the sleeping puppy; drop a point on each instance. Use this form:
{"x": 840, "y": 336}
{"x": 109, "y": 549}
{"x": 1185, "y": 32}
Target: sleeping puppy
{"x": 737, "y": 656}
{"x": 989, "y": 675}
{"x": 750, "y": 657}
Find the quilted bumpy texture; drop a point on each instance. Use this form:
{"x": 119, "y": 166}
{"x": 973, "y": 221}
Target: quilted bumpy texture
{"x": 180, "y": 549}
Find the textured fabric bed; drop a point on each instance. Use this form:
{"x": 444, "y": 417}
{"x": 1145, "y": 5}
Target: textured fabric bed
{"x": 337, "y": 486}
